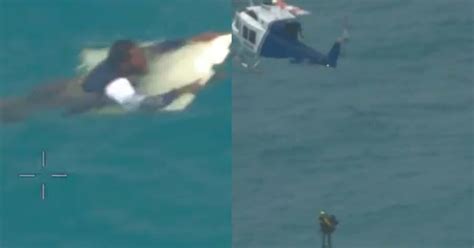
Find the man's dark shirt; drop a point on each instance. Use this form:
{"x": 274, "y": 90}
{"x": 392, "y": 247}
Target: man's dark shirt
{"x": 99, "y": 78}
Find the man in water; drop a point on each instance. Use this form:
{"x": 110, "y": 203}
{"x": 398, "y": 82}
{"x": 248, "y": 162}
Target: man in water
{"x": 112, "y": 81}
{"x": 328, "y": 225}
{"x": 126, "y": 64}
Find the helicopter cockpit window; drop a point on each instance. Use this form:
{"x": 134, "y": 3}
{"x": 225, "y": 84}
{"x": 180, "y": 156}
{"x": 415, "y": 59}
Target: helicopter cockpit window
{"x": 248, "y": 34}
{"x": 245, "y": 32}
{"x": 252, "y": 36}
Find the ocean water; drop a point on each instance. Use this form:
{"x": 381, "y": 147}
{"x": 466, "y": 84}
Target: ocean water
{"x": 384, "y": 142}
{"x": 133, "y": 180}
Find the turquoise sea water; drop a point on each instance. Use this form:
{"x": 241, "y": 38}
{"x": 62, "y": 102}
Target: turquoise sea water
{"x": 134, "y": 181}
{"x": 385, "y": 141}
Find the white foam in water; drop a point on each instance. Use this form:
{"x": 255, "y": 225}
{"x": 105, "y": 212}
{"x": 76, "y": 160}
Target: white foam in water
{"x": 190, "y": 63}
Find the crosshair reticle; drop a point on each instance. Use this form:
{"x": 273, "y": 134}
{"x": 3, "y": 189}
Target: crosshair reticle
{"x": 34, "y": 175}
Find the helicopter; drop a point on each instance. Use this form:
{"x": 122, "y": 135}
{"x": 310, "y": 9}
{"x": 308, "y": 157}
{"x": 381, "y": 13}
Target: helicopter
{"x": 271, "y": 29}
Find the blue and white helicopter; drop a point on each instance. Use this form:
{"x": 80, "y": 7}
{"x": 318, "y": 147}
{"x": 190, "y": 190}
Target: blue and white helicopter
{"x": 271, "y": 29}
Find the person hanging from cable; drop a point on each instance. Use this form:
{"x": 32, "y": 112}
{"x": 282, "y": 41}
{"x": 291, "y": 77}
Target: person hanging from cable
{"x": 328, "y": 225}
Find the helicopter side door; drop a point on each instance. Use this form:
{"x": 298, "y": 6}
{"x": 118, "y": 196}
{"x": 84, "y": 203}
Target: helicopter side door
{"x": 249, "y": 37}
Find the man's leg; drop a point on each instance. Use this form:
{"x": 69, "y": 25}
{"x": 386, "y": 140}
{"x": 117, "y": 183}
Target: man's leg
{"x": 64, "y": 93}
{"x": 49, "y": 94}
{"x": 41, "y": 97}
{"x": 14, "y": 110}
{"x": 84, "y": 104}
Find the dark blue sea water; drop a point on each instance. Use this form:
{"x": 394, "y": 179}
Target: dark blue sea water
{"x": 134, "y": 181}
{"x": 385, "y": 141}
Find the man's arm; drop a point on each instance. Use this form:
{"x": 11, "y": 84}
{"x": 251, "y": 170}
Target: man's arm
{"x": 152, "y": 103}
{"x": 190, "y": 88}
{"x": 122, "y": 92}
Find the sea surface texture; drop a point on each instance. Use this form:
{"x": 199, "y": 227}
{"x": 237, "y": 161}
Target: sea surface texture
{"x": 134, "y": 181}
{"x": 384, "y": 141}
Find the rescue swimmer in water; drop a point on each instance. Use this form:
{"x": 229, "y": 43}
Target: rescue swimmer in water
{"x": 272, "y": 30}
{"x": 128, "y": 76}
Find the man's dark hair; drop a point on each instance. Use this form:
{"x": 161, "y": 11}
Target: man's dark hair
{"x": 119, "y": 52}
